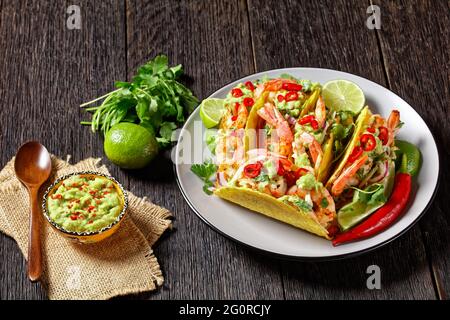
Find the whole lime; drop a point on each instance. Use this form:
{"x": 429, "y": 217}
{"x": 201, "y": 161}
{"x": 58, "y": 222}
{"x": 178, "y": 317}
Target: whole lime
{"x": 130, "y": 146}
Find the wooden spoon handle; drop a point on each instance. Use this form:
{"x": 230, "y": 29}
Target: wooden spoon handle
{"x": 34, "y": 240}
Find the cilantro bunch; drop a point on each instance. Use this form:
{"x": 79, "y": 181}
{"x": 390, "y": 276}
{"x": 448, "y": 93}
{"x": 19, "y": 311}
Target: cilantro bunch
{"x": 153, "y": 99}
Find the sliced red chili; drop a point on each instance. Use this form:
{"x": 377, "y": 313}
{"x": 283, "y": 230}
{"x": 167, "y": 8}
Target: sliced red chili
{"x": 280, "y": 98}
{"x": 291, "y": 96}
{"x": 253, "y": 170}
{"x": 314, "y": 124}
{"x": 368, "y": 142}
{"x": 291, "y": 87}
{"x": 306, "y": 119}
{"x": 233, "y": 118}
{"x": 383, "y": 135}
{"x": 371, "y": 130}
{"x": 248, "y": 102}
{"x": 236, "y": 92}
{"x": 56, "y": 196}
{"x": 356, "y": 153}
{"x": 249, "y": 85}
{"x": 73, "y": 217}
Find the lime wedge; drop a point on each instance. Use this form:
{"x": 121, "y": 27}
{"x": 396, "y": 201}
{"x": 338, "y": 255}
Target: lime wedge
{"x": 343, "y": 95}
{"x": 211, "y": 111}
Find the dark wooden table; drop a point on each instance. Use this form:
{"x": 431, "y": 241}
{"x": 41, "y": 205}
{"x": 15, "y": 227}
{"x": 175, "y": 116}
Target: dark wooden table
{"x": 47, "y": 70}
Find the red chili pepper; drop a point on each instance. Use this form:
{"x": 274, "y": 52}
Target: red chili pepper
{"x": 72, "y": 217}
{"x": 356, "y": 153}
{"x": 248, "y": 102}
{"x": 314, "y": 124}
{"x": 56, "y": 196}
{"x": 306, "y": 119}
{"x": 249, "y": 85}
{"x": 92, "y": 192}
{"x": 253, "y": 170}
{"x": 90, "y": 208}
{"x": 105, "y": 193}
{"x": 233, "y": 118}
{"x": 280, "y": 98}
{"x": 236, "y": 92}
{"x": 291, "y": 87}
{"x": 291, "y": 96}
{"x": 371, "y": 130}
{"x": 384, "y": 216}
{"x": 368, "y": 142}
{"x": 383, "y": 135}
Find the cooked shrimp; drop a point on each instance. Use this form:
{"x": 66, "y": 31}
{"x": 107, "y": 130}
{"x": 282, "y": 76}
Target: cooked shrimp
{"x": 320, "y": 112}
{"x": 276, "y": 84}
{"x": 323, "y": 203}
{"x": 392, "y": 123}
{"x": 284, "y": 136}
{"x": 278, "y": 187}
{"x": 343, "y": 180}
{"x": 315, "y": 150}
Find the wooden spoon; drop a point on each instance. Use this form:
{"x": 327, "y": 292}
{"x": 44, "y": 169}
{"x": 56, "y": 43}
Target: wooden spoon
{"x": 33, "y": 167}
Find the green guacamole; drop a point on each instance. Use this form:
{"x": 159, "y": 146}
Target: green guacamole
{"x": 85, "y": 203}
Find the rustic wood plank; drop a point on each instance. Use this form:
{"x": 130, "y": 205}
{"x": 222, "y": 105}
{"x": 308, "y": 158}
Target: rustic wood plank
{"x": 417, "y": 64}
{"x": 46, "y": 71}
{"x": 212, "y": 40}
{"x": 333, "y": 35}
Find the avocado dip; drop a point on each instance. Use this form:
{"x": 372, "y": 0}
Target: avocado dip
{"x": 85, "y": 203}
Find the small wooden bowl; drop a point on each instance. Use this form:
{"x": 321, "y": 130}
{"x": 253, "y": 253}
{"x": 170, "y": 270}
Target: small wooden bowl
{"x": 90, "y": 236}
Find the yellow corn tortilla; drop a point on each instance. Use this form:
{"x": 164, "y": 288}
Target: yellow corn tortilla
{"x": 252, "y": 122}
{"x": 273, "y": 208}
{"x": 361, "y": 124}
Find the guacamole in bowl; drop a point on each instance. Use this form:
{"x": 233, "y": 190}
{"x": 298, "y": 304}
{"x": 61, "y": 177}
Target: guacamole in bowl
{"x": 85, "y": 206}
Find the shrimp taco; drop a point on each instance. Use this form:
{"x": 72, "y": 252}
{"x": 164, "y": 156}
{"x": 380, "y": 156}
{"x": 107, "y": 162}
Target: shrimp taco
{"x": 363, "y": 180}
{"x": 285, "y": 162}
{"x": 278, "y": 144}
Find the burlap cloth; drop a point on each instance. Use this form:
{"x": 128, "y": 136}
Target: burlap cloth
{"x": 119, "y": 265}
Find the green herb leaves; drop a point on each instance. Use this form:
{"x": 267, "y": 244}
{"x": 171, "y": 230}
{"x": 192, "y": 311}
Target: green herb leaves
{"x": 205, "y": 171}
{"x": 153, "y": 99}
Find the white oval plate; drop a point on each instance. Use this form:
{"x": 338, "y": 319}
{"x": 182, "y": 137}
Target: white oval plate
{"x": 271, "y": 236}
